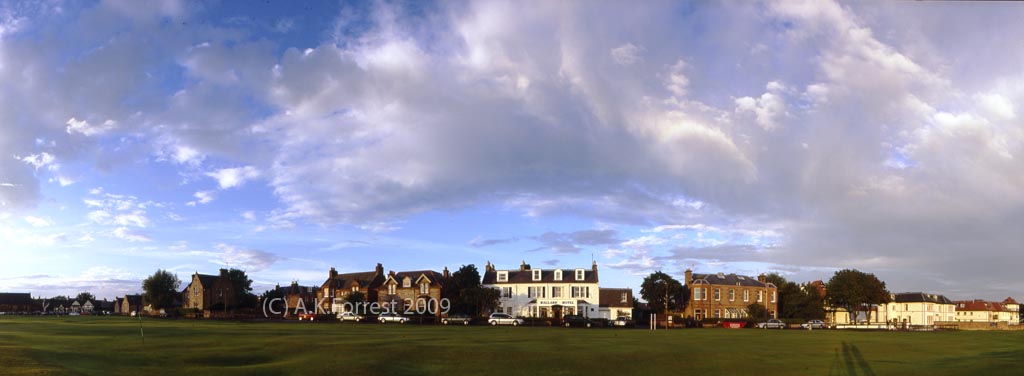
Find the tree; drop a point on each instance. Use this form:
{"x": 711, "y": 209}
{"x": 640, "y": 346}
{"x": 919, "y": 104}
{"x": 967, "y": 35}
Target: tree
{"x": 663, "y": 292}
{"x": 757, "y": 311}
{"x": 160, "y": 289}
{"x": 466, "y": 295}
{"x": 355, "y": 297}
{"x": 85, "y": 296}
{"x": 855, "y": 291}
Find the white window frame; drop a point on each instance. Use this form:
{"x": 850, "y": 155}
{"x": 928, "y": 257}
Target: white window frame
{"x": 746, "y": 295}
{"x": 580, "y": 275}
{"x": 696, "y": 293}
{"x": 537, "y": 274}
{"x": 556, "y": 291}
{"x": 558, "y": 274}
{"x": 760, "y": 297}
{"x": 773, "y": 296}
{"x": 503, "y": 276}
{"x": 424, "y": 288}
{"x": 391, "y": 288}
{"x": 732, "y": 295}
{"x": 718, "y": 295}
{"x": 406, "y": 282}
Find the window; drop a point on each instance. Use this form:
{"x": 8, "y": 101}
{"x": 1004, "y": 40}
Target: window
{"x": 773, "y": 296}
{"x": 424, "y": 288}
{"x": 556, "y": 291}
{"x": 577, "y": 292}
{"x": 355, "y": 288}
{"x": 558, "y": 275}
{"x": 536, "y": 292}
{"x": 746, "y": 295}
{"x": 718, "y": 313}
{"x": 718, "y": 296}
{"x": 732, "y": 295}
{"x": 696, "y": 293}
{"x": 407, "y": 282}
{"x": 503, "y": 276}
{"x": 579, "y": 274}
{"x": 623, "y": 300}
{"x": 696, "y": 314}
{"x": 391, "y": 289}
{"x": 588, "y": 291}
{"x": 759, "y": 296}
{"x": 536, "y": 274}
{"x": 506, "y": 292}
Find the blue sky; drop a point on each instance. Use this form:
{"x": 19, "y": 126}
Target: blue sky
{"x": 284, "y": 139}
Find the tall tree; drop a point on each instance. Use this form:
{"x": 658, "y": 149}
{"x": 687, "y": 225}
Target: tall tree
{"x": 160, "y": 289}
{"x": 241, "y": 287}
{"x": 466, "y": 295}
{"x": 756, "y": 311}
{"x": 85, "y": 296}
{"x": 663, "y": 292}
{"x": 855, "y": 291}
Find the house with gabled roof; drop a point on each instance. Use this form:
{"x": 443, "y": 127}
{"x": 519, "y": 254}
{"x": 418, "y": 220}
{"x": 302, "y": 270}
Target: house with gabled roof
{"x": 332, "y": 293}
{"x": 131, "y": 304}
{"x": 546, "y": 293}
{"x": 296, "y": 295}
{"x": 199, "y": 293}
{"x": 917, "y": 308}
{"x": 17, "y": 302}
{"x": 979, "y": 310}
{"x": 417, "y": 291}
{"x": 727, "y": 296}
{"x": 615, "y": 303}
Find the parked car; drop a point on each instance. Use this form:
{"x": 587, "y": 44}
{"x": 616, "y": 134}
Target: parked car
{"x": 392, "y": 317}
{"x": 577, "y": 320}
{"x": 350, "y": 316}
{"x": 771, "y": 324}
{"x": 623, "y": 321}
{"x": 307, "y": 316}
{"x": 73, "y": 314}
{"x": 504, "y": 319}
{"x": 457, "y": 318}
{"x": 813, "y": 324}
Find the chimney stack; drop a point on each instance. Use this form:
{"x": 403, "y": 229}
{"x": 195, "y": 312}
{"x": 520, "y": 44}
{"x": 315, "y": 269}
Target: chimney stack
{"x": 380, "y": 269}
{"x": 689, "y": 276}
{"x": 223, "y": 272}
{"x": 595, "y": 266}
{"x": 523, "y": 266}
{"x": 333, "y": 273}
{"x": 445, "y": 273}
{"x": 761, "y": 278}
{"x": 489, "y": 267}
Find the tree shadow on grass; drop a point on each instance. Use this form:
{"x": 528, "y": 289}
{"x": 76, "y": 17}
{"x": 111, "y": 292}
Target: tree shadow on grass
{"x": 850, "y": 362}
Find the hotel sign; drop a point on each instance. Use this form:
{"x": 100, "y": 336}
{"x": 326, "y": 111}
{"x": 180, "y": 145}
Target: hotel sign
{"x": 557, "y": 302}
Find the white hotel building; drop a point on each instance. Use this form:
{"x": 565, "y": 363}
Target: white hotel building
{"x": 553, "y": 293}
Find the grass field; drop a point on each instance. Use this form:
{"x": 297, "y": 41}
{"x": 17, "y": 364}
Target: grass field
{"x": 112, "y": 346}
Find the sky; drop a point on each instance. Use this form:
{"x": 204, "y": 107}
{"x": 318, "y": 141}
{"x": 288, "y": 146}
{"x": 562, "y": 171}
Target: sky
{"x": 283, "y": 138}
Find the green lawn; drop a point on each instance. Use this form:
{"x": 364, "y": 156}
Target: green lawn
{"x": 112, "y": 346}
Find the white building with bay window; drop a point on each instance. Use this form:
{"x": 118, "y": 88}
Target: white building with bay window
{"x": 546, "y": 293}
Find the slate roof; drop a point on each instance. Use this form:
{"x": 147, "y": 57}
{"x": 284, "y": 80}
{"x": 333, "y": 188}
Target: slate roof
{"x": 435, "y": 277}
{"x": 296, "y": 289}
{"x": 728, "y": 279}
{"x": 133, "y": 300}
{"x": 16, "y": 298}
{"x": 547, "y": 276}
{"x": 206, "y": 280}
{"x": 365, "y": 279}
{"x": 612, "y": 297}
{"x": 920, "y": 297}
{"x": 980, "y": 305}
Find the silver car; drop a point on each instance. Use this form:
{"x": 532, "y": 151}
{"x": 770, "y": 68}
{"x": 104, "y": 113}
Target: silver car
{"x": 771, "y": 324}
{"x": 504, "y": 319}
{"x": 350, "y": 316}
{"x": 392, "y": 317}
{"x": 813, "y": 324}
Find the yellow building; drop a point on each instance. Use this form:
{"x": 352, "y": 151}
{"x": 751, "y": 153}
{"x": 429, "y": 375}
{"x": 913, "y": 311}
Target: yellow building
{"x": 728, "y": 295}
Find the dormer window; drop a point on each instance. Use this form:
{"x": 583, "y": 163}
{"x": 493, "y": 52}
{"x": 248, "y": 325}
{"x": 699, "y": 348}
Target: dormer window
{"x": 424, "y": 288}
{"x": 391, "y": 289}
{"x": 503, "y": 276}
{"x": 407, "y": 282}
{"x": 558, "y": 275}
{"x": 355, "y": 288}
{"x": 579, "y": 274}
{"x": 536, "y": 274}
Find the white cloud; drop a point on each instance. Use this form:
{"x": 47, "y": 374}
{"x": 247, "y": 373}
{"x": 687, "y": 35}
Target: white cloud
{"x": 245, "y": 259}
{"x": 38, "y": 222}
{"x": 627, "y": 54}
{"x": 202, "y": 197}
{"x": 676, "y": 82}
{"x": 83, "y": 127}
{"x": 129, "y": 235}
{"x": 768, "y": 108}
{"x": 996, "y": 106}
{"x": 234, "y": 177}
{"x": 43, "y": 159}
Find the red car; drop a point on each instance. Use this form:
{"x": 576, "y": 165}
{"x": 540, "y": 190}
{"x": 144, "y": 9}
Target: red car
{"x": 307, "y": 316}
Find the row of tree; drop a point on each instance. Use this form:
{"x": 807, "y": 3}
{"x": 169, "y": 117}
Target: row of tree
{"x": 852, "y": 290}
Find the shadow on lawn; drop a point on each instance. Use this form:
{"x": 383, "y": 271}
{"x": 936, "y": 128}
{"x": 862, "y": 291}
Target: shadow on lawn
{"x": 850, "y": 362}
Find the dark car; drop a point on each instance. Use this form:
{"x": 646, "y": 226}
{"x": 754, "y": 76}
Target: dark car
{"x": 577, "y": 321}
{"x": 457, "y": 319}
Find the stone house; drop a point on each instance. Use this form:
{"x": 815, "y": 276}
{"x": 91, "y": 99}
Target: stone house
{"x": 413, "y": 292}
{"x": 332, "y": 294}
{"x": 727, "y": 296}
